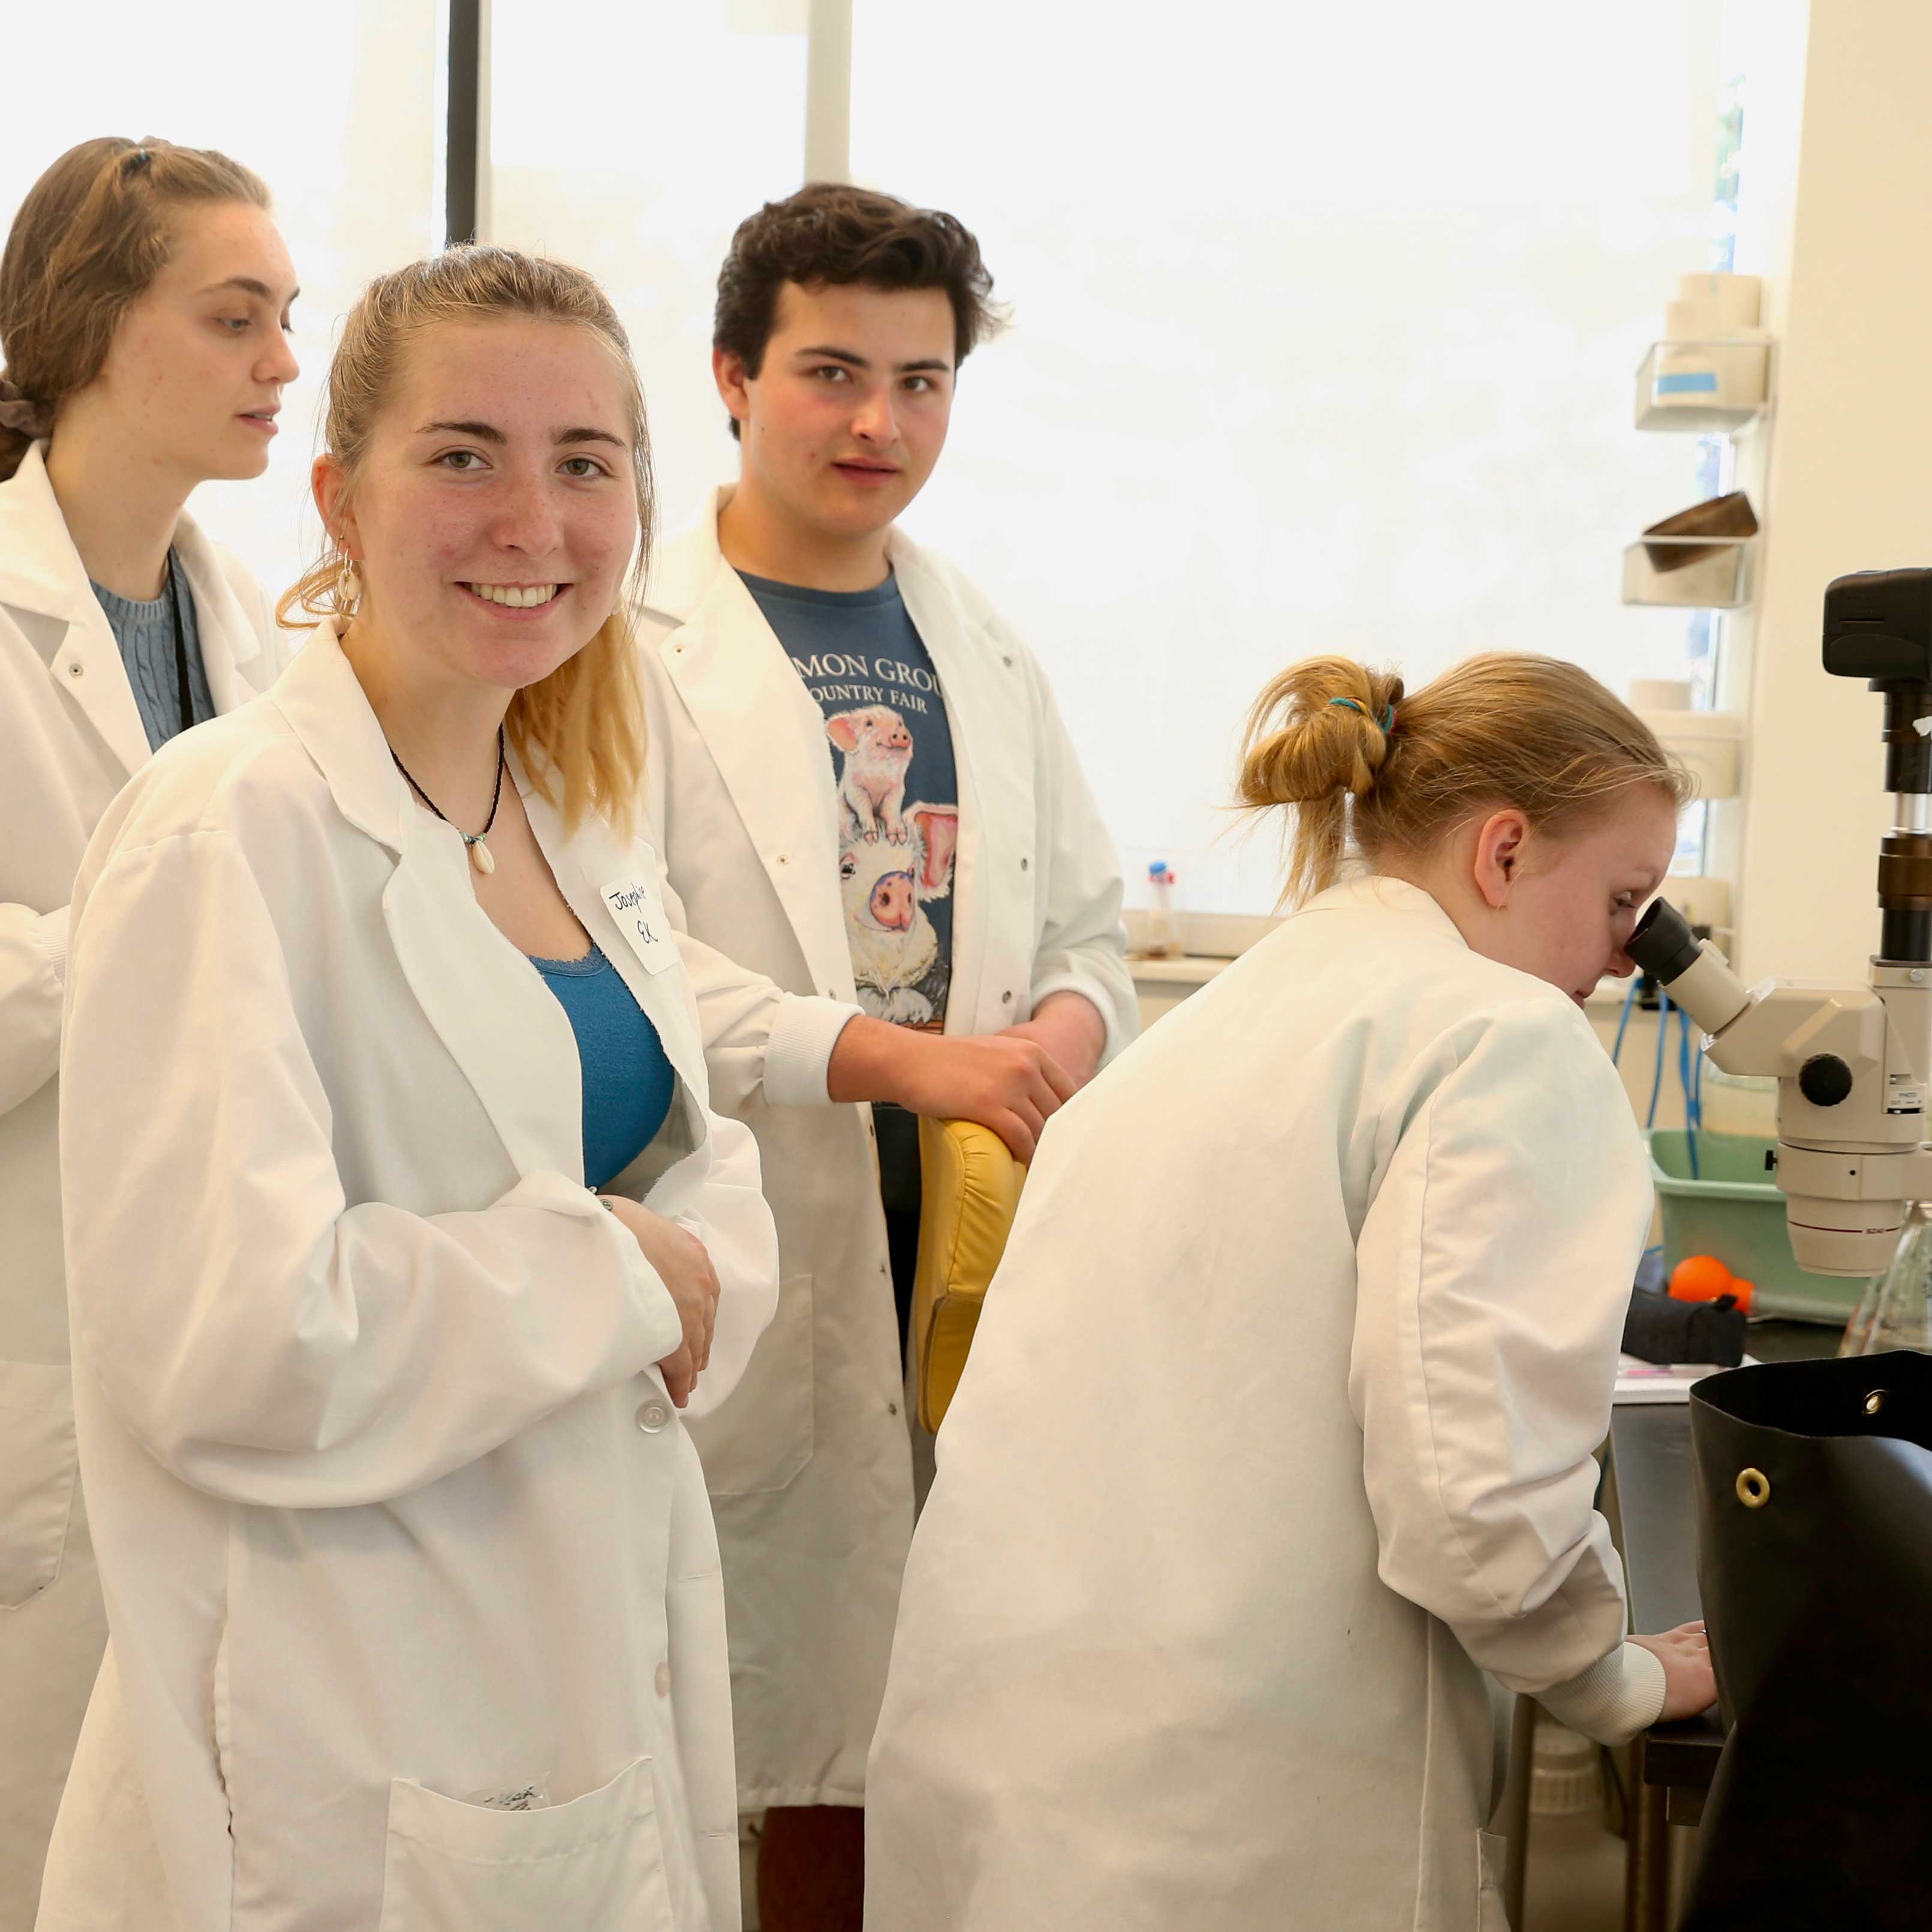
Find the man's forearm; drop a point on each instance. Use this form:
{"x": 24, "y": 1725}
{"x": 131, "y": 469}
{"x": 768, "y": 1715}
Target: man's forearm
{"x": 1069, "y": 1025}
{"x": 867, "y": 1061}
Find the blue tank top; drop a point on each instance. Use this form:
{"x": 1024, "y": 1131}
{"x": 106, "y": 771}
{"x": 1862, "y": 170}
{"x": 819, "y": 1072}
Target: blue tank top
{"x": 628, "y": 1080}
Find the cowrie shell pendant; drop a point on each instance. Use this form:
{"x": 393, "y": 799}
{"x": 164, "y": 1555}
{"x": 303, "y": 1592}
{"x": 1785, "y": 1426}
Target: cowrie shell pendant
{"x": 482, "y": 857}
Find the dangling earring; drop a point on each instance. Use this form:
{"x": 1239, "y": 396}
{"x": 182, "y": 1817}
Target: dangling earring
{"x": 348, "y": 584}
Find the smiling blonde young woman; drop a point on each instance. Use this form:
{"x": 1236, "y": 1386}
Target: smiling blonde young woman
{"x": 398, "y": 1248}
{"x": 144, "y": 300}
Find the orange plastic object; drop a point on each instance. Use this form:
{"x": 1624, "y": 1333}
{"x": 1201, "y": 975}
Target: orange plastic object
{"x": 1699, "y": 1278}
{"x": 1704, "y": 1278}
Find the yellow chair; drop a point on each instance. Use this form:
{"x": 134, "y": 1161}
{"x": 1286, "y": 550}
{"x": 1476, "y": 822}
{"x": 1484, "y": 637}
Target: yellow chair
{"x": 969, "y": 1192}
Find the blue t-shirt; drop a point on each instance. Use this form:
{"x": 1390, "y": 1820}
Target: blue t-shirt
{"x": 861, "y": 658}
{"x": 628, "y": 1082}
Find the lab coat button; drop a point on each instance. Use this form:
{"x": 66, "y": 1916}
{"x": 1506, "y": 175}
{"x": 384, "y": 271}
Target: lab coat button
{"x": 77, "y": 670}
{"x": 653, "y": 1417}
{"x": 1026, "y": 865}
{"x": 1006, "y": 999}
{"x": 662, "y": 1680}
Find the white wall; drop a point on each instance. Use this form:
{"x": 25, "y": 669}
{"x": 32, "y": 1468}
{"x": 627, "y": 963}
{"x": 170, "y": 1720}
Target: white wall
{"x": 1850, "y": 285}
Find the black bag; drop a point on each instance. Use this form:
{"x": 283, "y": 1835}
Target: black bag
{"x": 1657, "y": 1329}
{"x": 1814, "y": 1517}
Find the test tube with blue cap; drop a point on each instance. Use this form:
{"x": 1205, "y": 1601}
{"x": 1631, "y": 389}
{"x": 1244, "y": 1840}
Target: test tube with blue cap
{"x": 1163, "y": 931}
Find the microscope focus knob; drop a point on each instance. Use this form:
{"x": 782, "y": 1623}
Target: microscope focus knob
{"x": 1825, "y": 1080}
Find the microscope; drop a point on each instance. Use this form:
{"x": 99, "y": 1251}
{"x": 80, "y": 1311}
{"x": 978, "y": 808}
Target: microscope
{"x": 1851, "y": 1062}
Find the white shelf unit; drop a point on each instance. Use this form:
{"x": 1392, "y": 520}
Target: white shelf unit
{"x": 1717, "y": 576}
{"x": 1719, "y": 385}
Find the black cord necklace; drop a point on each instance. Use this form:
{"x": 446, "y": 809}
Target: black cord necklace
{"x": 184, "y": 691}
{"x": 480, "y": 854}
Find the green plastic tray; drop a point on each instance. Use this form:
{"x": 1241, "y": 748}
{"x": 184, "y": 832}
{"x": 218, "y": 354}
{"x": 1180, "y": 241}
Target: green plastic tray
{"x": 1733, "y": 1210}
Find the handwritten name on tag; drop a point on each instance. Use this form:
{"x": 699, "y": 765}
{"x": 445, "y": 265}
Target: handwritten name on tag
{"x": 640, "y": 915}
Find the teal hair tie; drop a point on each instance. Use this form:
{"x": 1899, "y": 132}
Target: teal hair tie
{"x": 1386, "y": 721}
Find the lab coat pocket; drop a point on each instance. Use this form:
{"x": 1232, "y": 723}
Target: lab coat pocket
{"x": 37, "y": 1477}
{"x": 450, "y": 1867}
{"x": 761, "y": 1436}
{"x": 1492, "y": 1848}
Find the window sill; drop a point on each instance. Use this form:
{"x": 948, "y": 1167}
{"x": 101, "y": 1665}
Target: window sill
{"x": 1186, "y": 971}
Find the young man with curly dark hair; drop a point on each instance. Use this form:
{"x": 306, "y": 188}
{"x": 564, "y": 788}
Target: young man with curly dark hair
{"x": 898, "y": 890}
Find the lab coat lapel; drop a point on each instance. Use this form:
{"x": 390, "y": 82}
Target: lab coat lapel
{"x": 766, "y": 736}
{"x": 228, "y": 640}
{"x": 584, "y": 863}
{"x": 487, "y": 1002}
{"x": 983, "y": 698}
{"x": 42, "y": 572}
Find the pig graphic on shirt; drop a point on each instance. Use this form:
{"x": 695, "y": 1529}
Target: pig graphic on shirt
{"x": 877, "y": 749}
{"x": 886, "y": 886}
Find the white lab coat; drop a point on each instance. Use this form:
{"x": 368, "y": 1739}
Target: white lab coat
{"x": 394, "y": 1513}
{"x": 69, "y": 735}
{"x": 1278, "y": 1424}
{"x": 810, "y": 1467}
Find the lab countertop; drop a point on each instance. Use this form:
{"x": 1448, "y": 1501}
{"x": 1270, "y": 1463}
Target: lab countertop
{"x": 1187, "y": 969}
{"x": 1650, "y": 1452}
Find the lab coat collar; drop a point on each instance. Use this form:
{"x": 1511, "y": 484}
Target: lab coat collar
{"x": 586, "y": 862}
{"x": 475, "y": 989}
{"x": 685, "y": 572}
{"x": 40, "y": 568}
{"x": 41, "y": 571}
{"x": 322, "y": 699}
{"x": 1364, "y": 891}
{"x": 765, "y": 733}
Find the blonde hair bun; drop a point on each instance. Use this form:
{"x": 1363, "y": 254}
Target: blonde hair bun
{"x": 1340, "y": 743}
{"x": 1330, "y": 739}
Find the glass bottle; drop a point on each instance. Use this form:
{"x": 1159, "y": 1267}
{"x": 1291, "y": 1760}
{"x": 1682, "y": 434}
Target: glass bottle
{"x": 1162, "y": 939}
{"x": 1895, "y": 1311}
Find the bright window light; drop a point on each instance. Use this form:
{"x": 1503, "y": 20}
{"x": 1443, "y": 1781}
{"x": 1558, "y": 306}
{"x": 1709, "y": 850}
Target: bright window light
{"x": 637, "y": 165}
{"x": 1324, "y": 326}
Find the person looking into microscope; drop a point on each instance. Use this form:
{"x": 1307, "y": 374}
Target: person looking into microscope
{"x": 1280, "y": 1424}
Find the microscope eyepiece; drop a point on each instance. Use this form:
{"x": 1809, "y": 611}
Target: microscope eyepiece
{"x": 1662, "y": 943}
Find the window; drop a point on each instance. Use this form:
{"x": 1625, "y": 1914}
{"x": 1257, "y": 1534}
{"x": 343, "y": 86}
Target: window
{"x": 1313, "y": 348}
{"x": 1324, "y": 321}
{"x": 637, "y": 166}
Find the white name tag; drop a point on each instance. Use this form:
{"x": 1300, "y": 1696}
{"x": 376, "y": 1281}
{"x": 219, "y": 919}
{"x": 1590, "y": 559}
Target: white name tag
{"x": 640, "y": 915}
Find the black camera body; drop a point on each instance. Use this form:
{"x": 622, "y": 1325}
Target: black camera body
{"x": 1878, "y": 626}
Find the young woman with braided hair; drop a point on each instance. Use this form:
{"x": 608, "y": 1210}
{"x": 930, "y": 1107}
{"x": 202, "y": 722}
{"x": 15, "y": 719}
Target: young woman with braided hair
{"x": 144, "y": 302}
